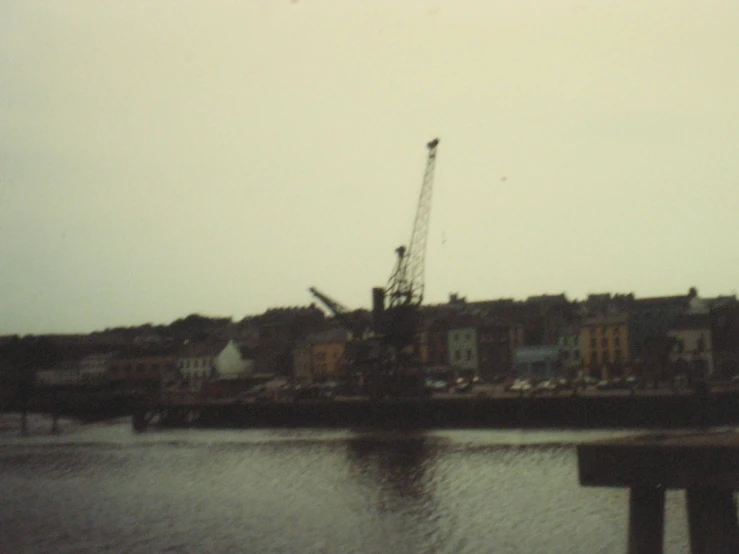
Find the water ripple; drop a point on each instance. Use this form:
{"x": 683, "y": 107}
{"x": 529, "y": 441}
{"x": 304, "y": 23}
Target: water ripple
{"x": 106, "y": 489}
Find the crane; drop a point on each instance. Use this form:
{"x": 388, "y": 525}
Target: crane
{"x": 406, "y": 282}
{"x": 404, "y": 291}
{"x": 386, "y": 359}
{"x": 397, "y": 325}
{"x": 341, "y": 312}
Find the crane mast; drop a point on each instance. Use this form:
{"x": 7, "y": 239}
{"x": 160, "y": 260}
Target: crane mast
{"x": 406, "y": 283}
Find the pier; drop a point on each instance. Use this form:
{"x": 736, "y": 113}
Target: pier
{"x": 705, "y": 464}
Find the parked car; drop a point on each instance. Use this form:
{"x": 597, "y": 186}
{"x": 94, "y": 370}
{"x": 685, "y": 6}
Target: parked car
{"x": 548, "y": 385}
{"x": 585, "y": 382}
{"x": 436, "y": 385}
{"x": 521, "y": 386}
{"x": 463, "y": 385}
{"x": 617, "y": 383}
{"x": 255, "y": 394}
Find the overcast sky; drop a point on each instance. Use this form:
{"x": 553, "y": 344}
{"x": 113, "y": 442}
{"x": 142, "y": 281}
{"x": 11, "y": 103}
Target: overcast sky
{"x": 162, "y": 158}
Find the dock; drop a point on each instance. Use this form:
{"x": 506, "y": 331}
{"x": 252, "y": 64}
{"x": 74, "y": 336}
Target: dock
{"x": 703, "y": 463}
{"x": 462, "y": 411}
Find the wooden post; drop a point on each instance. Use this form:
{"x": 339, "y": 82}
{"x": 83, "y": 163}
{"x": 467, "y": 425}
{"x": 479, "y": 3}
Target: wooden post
{"x": 646, "y": 519}
{"x": 712, "y": 521}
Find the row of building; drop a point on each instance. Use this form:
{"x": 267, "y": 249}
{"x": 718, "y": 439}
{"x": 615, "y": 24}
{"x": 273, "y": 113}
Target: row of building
{"x": 151, "y": 368}
{"x": 603, "y": 336}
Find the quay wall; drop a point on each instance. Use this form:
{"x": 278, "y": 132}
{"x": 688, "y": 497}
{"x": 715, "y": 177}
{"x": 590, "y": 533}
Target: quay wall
{"x": 467, "y": 412}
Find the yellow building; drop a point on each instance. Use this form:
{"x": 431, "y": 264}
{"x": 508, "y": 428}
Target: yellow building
{"x": 605, "y": 345}
{"x": 327, "y": 354}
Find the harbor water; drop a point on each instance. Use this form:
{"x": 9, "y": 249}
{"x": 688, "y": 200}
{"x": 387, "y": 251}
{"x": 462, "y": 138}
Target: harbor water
{"x": 103, "y": 488}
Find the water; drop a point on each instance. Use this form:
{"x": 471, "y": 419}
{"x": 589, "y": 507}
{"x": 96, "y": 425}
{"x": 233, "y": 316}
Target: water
{"x": 102, "y": 488}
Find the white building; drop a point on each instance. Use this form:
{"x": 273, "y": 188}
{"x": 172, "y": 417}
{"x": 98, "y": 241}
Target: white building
{"x": 201, "y": 363}
{"x": 63, "y": 374}
{"x": 463, "y": 352}
{"x": 693, "y": 349}
{"x": 93, "y": 369}
{"x": 232, "y": 362}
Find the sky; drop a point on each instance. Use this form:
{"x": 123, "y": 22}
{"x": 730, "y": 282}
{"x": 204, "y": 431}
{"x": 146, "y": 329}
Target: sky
{"x": 166, "y": 157}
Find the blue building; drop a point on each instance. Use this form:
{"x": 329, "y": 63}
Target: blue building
{"x": 537, "y": 362}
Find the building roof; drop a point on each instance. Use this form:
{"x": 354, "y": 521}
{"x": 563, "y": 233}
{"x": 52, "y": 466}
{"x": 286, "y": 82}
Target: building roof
{"x": 548, "y": 299}
{"x": 147, "y": 351}
{"x": 607, "y": 319}
{"x": 208, "y": 349}
{"x": 330, "y": 335}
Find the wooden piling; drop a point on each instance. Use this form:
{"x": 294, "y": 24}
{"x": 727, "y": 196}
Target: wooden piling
{"x": 712, "y": 520}
{"x": 646, "y": 519}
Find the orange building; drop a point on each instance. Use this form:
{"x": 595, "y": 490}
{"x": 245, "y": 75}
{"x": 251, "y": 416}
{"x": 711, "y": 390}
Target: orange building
{"x": 327, "y": 354}
{"x": 605, "y": 345}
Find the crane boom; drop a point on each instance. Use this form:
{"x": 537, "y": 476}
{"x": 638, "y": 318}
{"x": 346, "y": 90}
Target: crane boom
{"x": 341, "y": 313}
{"x": 406, "y": 284}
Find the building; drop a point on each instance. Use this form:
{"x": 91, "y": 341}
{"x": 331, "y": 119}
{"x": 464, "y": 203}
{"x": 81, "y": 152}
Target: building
{"x": 142, "y": 370}
{"x": 196, "y": 364}
{"x": 94, "y": 369}
{"x": 570, "y": 346}
{"x": 463, "y": 352}
{"x": 725, "y": 339}
{"x": 434, "y": 343}
{"x": 218, "y": 360}
{"x": 327, "y": 354}
{"x": 302, "y": 368}
{"x": 279, "y": 329}
{"x": 496, "y": 349}
{"x": 63, "y": 374}
{"x": 605, "y": 345}
{"x": 537, "y": 362}
{"x": 692, "y": 352}
{"x": 651, "y": 318}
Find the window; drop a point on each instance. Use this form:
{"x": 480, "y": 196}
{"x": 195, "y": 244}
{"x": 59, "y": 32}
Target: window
{"x": 457, "y": 354}
{"x": 604, "y": 342}
{"x": 469, "y": 354}
{"x": 576, "y": 355}
{"x": 466, "y": 336}
{"x": 592, "y": 343}
{"x": 617, "y": 341}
